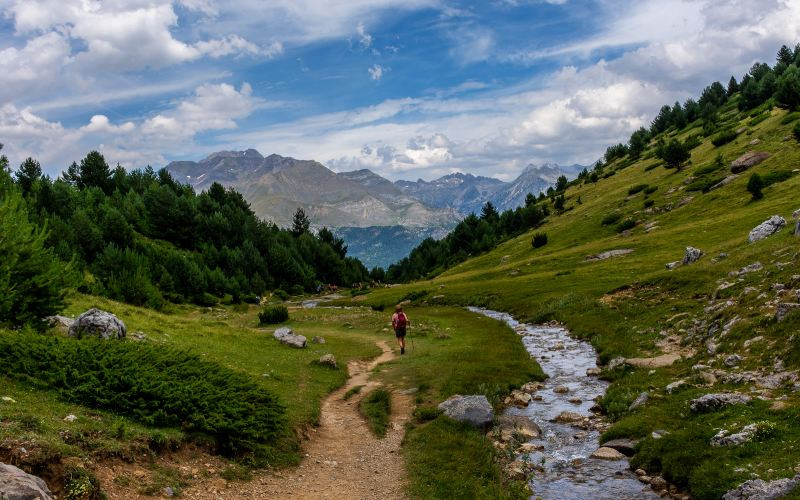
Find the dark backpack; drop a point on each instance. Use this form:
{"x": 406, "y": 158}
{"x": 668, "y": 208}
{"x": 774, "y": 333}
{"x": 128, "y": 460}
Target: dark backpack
{"x": 402, "y": 321}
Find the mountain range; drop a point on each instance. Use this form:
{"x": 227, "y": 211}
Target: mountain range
{"x": 380, "y": 220}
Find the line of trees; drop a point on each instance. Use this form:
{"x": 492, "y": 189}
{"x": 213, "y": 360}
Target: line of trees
{"x": 144, "y": 238}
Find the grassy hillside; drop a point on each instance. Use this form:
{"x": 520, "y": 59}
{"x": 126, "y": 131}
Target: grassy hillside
{"x": 632, "y": 306}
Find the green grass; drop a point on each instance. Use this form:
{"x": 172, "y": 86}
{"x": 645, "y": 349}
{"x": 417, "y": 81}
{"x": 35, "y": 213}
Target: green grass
{"x": 352, "y": 392}
{"x": 377, "y": 408}
{"x": 622, "y": 304}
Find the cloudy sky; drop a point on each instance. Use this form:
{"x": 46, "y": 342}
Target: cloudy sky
{"x": 407, "y": 88}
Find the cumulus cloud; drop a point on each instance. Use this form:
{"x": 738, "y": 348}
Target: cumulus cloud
{"x": 376, "y": 71}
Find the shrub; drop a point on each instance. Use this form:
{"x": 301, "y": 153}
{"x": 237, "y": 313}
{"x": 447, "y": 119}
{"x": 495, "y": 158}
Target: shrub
{"x": 693, "y": 141}
{"x": 377, "y": 307}
{"x": 415, "y": 295}
{"x": 297, "y": 290}
{"x": 775, "y": 177}
{"x": 539, "y": 240}
{"x": 281, "y": 294}
{"x": 703, "y": 184}
{"x": 754, "y": 186}
{"x": 724, "y": 137}
{"x": 426, "y": 413}
{"x": 637, "y": 188}
{"x": 758, "y": 119}
{"x": 376, "y": 408}
{"x": 612, "y": 218}
{"x": 651, "y": 190}
{"x": 786, "y": 120}
{"x": 273, "y": 314}
{"x": 797, "y": 132}
{"x": 649, "y": 203}
{"x": 153, "y": 384}
{"x": 625, "y": 225}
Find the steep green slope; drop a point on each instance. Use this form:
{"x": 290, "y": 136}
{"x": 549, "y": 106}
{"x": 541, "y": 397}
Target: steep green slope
{"x": 632, "y": 306}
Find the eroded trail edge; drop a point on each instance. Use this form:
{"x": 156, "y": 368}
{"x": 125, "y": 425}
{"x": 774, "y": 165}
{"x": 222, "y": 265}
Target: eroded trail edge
{"x": 343, "y": 459}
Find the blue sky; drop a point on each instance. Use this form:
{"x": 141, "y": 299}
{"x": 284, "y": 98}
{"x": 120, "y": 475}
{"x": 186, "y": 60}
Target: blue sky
{"x": 407, "y": 88}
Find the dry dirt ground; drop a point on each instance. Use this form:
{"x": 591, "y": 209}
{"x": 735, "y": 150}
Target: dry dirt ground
{"x": 343, "y": 459}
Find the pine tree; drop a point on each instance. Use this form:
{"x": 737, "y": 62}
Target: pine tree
{"x": 95, "y": 172}
{"x": 785, "y": 55}
{"x": 29, "y": 172}
{"x": 300, "y": 222}
{"x": 530, "y": 199}
{"x": 755, "y": 185}
{"x": 488, "y": 212}
{"x": 733, "y": 87}
{"x": 787, "y": 91}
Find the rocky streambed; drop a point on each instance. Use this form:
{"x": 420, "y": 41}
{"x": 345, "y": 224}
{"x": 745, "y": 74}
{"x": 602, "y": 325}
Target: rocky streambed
{"x": 563, "y": 452}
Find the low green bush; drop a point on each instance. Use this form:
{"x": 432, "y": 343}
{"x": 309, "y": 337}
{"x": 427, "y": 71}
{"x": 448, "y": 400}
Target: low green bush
{"x": 376, "y": 408}
{"x": 651, "y": 190}
{"x": 649, "y": 203}
{"x": 791, "y": 117}
{"x": 758, "y": 119}
{"x": 724, "y": 137}
{"x": 776, "y": 176}
{"x": 273, "y": 314}
{"x": 625, "y": 225}
{"x": 703, "y": 184}
{"x": 153, "y": 384}
{"x": 797, "y": 132}
{"x": 637, "y": 188}
{"x": 281, "y": 294}
{"x": 539, "y": 240}
{"x": 415, "y": 295}
{"x": 611, "y": 218}
{"x": 297, "y": 290}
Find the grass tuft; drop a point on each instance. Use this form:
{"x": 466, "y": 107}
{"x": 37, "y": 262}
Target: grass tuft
{"x": 377, "y": 408}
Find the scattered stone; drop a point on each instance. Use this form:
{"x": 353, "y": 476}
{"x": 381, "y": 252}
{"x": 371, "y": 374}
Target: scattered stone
{"x": 593, "y": 372}
{"x": 609, "y": 254}
{"x": 8, "y": 399}
{"x": 605, "y": 453}
{"x": 98, "y": 324}
{"x": 692, "y": 255}
{"x": 575, "y": 400}
{"x": 624, "y": 446}
{"x": 672, "y": 265}
{"x": 328, "y": 360}
{"x": 754, "y": 142}
{"x": 796, "y": 214}
{"x": 474, "y": 409}
{"x": 518, "y": 469}
{"x": 168, "y": 491}
{"x": 16, "y": 484}
{"x": 60, "y": 323}
{"x": 616, "y": 363}
{"x": 797, "y": 228}
{"x": 724, "y": 182}
{"x": 640, "y": 401}
{"x": 784, "y": 308}
{"x": 725, "y": 438}
{"x": 732, "y": 360}
{"x": 561, "y": 389}
{"x": 752, "y": 268}
{"x": 286, "y": 335}
{"x": 70, "y": 418}
{"x": 658, "y": 434}
{"x": 138, "y": 336}
{"x": 654, "y": 362}
{"x": 568, "y": 417}
{"x": 747, "y": 160}
{"x": 658, "y": 483}
{"x": 530, "y": 447}
{"x": 674, "y": 386}
{"x": 518, "y": 424}
{"x": 749, "y": 342}
{"x": 520, "y": 399}
{"x": 640, "y": 472}
{"x": 713, "y": 402}
{"x": 767, "y": 228}
{"x": 317, "y": 340}
{"x": 758, "y": 489}
{"x": 531, "y": 387}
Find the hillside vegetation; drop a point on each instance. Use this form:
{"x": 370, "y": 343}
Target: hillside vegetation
{"x": 670, "y": 188}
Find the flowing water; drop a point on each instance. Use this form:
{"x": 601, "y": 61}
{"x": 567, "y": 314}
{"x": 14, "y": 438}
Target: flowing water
{"x": 568, "y": 472}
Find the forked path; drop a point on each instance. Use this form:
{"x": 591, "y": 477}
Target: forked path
{"x": 344, "y": 460}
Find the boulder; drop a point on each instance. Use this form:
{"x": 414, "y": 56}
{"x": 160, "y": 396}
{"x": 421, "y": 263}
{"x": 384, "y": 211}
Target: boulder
{"x": 98, "y": 324}
{"x": 767, "y": 228}
{"x": 519, "y": 424}
{"x": 784, "y": 308}
{"x": 758, "y": 489}
{"x": 732, "y": 360}
{"x": 712, "y": 402}
{"x": 616, "y": 363}
{"x": 674, "y": 386}
{"x": 317, "y": 340}
{"x": 797, "y": 228}
{"x": 606, "y": 453}
{"x": 520, "y": 398}
{"x": 595, "y": 371}
{"x": 747, "y": 160}
{"x": 568, "y": 417}
{"x": 561, "y": 389}
{"x": 474, "y": 409}
{"x": 60, "y": 323}
{"x": 672, "y": 265}
{"x": 624, "y": 446}
{"x": 286, "y": 335}
{"x": 328, "y": 360}
{"x": 724, "y": 182}
{"x": 796, "y": 214}
{"x": 692, "y": 255}
{"x": 16, "y": 484}
{"x": 725, "y": 438}
{"x": 658, "y": 483}
{"x": 609, "y": 254}
{"x": 640, "y": 401}
{"x": 751, "y": 268}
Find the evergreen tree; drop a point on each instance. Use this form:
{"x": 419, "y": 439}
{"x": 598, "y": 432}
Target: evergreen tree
{"x": 638, "y": 142}
{"x": 785, "y": 55}
{"x": 94, "y": 172}
{"x": 29, "y": 172}
{"x": 787, "y": 92}
{"x": 674, "y": 153}
{"x": 733, "y": 87}
{"x": 678, "y": 117}
{"x": 3, "y": 162}
{"x": 561, "y": 183}
{"x": 755, "y": 185}
{"x": 488, "y": 212}
{"x": 300, "y": 222}
{"x": 530, "y": 200}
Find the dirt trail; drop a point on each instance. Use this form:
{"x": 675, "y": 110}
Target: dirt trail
{"x": 343, "y": 459}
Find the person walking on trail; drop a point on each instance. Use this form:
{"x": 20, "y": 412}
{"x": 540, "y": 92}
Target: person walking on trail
{"x": 400, "y": 323}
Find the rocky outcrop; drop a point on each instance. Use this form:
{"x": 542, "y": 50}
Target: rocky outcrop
{"x": 767, "y": 228}
{"x": 713, "y": 402}
{"x": 725, "y": 438}
{"x": 758, "y": 489}
{"x": 606, "y": 453}
{"x": 640, "y": 401}
{"x": 568, "y": 417}
{"x": 98, "y": 324}
{"x": 724, "y": 182}
{"x": 16, "y": 484}
{"x": 624, "y": 446}
{"x": 328, "y": 360}
{"x": 317, "y": 340}
{"x": 747, "y": 160}
{"x": 286, "y": 335}
{"x": 784, "y": 308}
{"x": 474, "y": 409}
{"x": 60, "y": 323}
{"x": 510, "y": 425}
{"x": 609, "y": 254}
{"x": 692, "y": 255}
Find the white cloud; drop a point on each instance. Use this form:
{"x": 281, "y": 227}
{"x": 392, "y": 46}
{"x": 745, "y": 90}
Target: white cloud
{"x": 364, "y": 38}
{"x": 376, "y": 71}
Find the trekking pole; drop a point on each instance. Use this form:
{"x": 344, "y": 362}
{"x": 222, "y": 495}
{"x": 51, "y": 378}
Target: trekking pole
{"x": 412, "y": 340}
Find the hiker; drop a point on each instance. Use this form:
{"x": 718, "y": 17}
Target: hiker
{"x": 399, "y": 323}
